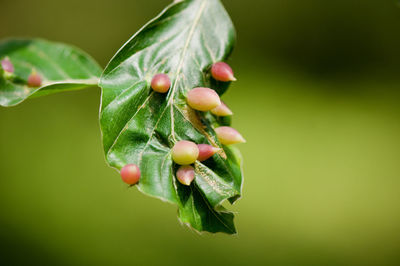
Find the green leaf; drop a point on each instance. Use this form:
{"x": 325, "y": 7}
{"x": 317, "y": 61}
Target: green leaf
{"x": 62, "y": 68}
{"x": 141, "y": 126}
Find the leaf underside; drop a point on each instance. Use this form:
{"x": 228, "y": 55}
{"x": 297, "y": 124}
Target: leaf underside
{"x": 61, "y": 67}
{"x": 141, "y": 126}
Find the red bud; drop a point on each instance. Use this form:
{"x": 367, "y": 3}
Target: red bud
{"x": 34, "y": 80}
{"x": 7, "y": 65}
{"x": 206, "y": 151}
{"x": 203, "y": 99}
{"x": 185, "y": 175}
{"x": 161, "y": 83}
{"x": 222, "y": 71}
{"x": 130, "y": 174}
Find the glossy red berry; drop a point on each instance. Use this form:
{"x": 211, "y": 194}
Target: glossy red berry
{"x": 161, "y": 83}
{"x": 222, "y": 71}
{"x": 228, "y": 136}
{"x": 206, "y": 151}
{"x": 185, "y": 152}
{"x": 7, "y": 65}
{"x": 34, "y": 80}
{"x": 185, "y": 175}
{"x": 203, "y": 99}
{"x": 130, "y": 174}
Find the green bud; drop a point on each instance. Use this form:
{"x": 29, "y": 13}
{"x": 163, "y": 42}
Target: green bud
{"x": 185, "y": 175}
{"x": 228, "y": 136}
{"x": 203, "y": 99}
{"x": 185, "y": 152}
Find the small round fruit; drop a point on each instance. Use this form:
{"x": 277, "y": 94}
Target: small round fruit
{"x": 161, "y": 83}
{"x": 185, "y": 175}
{"x": 203, "y": 99}
{"x": 206, "y": 151}
{"x": 222, "y": 71}
{"x": 34, "y": 80}
{"x": 130, "y": 174}
{"x": 185, "y": 152}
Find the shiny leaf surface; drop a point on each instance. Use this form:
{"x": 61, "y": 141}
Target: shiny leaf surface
{"x": 140, "y": 126}
{"x": 61, "y": 68}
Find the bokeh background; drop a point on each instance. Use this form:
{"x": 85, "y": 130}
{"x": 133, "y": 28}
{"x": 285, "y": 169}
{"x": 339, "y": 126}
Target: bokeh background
{"x": 317, "y": 98}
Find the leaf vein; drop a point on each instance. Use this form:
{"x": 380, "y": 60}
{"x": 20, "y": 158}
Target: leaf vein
{"x": 180, "y": 65}
{"x": 215, "y": 213}
{"x": 45, "y": 57}
{"x": 127, "y": 123}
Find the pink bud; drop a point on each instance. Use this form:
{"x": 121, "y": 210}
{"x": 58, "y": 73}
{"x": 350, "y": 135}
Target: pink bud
{"x": 34, "y": 80}
{"x": 221, "y": 110}
{"x": 222, "y": 71}
{"x": 228, "y": 135}
{"x": 203, "y": 99}
{"x": 130, "y": 174}
{"x": 206, "y": 151}
{"x": 161, "y": 83}
{"x": 185, "y": 175}
{"x": 7, "y": 65}
{"x": 185, "y": 152}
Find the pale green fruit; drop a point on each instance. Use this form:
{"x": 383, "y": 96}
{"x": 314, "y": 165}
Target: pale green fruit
{"x": 228, "y": 136}
{"x": 203, "y": 99}
{"x": 185, "y": 152}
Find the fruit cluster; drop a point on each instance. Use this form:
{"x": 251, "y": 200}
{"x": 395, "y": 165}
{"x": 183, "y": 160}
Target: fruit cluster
{"x": 34, "y": 79}
{"x": 184, "y": 152}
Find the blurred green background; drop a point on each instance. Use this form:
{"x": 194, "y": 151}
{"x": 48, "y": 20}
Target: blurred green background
{"x": 317, "y": 99}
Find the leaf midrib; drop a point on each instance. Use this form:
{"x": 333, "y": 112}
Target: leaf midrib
{"x": 171, "y": 95}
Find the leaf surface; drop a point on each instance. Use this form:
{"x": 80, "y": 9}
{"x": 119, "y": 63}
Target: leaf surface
{"x": 61, "y": 67}
{"x": 141, "y": 126}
